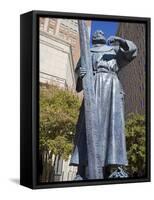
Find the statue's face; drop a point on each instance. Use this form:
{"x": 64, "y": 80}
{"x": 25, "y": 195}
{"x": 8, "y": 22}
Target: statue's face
{"x": 98, "y": 37}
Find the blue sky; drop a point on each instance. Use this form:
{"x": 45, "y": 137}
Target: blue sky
{"x": 109, "y": 28}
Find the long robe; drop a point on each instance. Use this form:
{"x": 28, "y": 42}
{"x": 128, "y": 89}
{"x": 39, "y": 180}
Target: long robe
{"x": 106, "y": 62}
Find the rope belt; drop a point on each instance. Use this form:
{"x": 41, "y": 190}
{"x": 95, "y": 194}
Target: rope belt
{"x": 104, "y": 70}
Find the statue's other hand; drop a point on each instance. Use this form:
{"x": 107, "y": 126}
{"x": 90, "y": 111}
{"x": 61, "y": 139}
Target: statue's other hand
{"x": 110, "y": 40}
{"x": 83, "y": 72}
{"x": 115, "y": 40}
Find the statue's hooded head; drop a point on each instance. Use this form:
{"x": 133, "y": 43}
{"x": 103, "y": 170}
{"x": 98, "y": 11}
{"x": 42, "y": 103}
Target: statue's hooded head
{"x": 98, "y": 38}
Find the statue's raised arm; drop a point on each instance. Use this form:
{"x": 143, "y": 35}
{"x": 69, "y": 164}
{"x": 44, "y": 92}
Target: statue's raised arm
{"x": 126, "y": 50}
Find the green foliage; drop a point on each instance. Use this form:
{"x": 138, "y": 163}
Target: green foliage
{"x": 60, "y": 146}
{"x": 135, "y": 139}
{"x": 58, "y": 115}
{"x": 59, "y": 110}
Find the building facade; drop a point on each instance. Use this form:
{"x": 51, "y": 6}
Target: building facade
{"x": 56, "y": 61}
{"x": 64, "y": 29}
{"x": 59, "y": 50}
{"x": 132, "y": 76}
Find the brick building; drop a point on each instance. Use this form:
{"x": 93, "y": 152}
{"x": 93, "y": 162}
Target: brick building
{"x": 132, "y": 76}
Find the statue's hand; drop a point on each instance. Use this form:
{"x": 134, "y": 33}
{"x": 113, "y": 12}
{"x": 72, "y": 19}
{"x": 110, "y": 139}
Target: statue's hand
{"x": 83, "y": 72}
{"x": 112, "y": 40}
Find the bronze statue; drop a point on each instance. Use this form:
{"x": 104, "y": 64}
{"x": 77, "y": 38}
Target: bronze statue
{"x": 107, "y": 57}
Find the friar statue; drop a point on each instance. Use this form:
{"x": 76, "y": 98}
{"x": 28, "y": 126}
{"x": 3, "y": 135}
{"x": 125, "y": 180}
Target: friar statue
{"x": 108, "y": 58}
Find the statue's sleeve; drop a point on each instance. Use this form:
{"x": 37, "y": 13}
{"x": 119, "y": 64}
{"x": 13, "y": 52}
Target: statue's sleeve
{"x": 124, "y": 57}
{"x": 79, "y": 87}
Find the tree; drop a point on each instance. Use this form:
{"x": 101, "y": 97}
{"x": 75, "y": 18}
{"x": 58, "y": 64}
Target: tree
{"x": 59, "y": 110}
{"x": 136, "y": 147}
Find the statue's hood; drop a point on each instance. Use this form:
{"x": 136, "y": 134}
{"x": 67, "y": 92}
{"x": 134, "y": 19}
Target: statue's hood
{"x": 101, "y": 48}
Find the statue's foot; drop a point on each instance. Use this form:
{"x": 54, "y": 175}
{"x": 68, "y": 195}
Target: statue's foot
{"x": 119, "y": 173}
{"x": 78, "y": 178}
